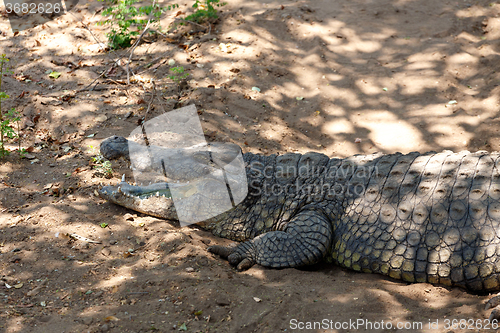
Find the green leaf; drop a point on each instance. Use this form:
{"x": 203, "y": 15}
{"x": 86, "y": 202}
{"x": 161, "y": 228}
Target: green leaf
{"x": 54, "y": 75}
{"x": 103, "y": 225}
{"x": 183, "y": 327}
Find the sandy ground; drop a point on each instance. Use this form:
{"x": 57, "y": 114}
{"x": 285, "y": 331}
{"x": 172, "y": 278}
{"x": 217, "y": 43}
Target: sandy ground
{"x": 337, "y": 77}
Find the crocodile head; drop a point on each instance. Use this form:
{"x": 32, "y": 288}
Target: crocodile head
{"x": 155, "y": 200}
{"x": 115, "y": 147}
{"x": 198, "y": 179}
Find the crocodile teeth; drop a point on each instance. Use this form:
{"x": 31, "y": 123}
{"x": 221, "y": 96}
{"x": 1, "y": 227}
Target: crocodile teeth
{"x": 120, "y": 189}
{"x": 157, "y": 194}
{"x": 123, "y": 178}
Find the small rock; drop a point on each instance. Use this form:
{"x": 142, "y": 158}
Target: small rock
{"x": 80, "y": 33}
{"x": 222, "y": 301}
{"x": 55, "y": 102}
{"x": 104, "y": 328}
{"x": 87, "y": 321}
{"x": 128, "y": 114}
{"x": 30, "y": 156}
{"x": 306, "y": 8}
{"x": 101, "y": 118}
{"x": 190, "y": 269}
{"x": 28, "y": 123}
{"x": 113, "y": 242}
{"x": 128, "y": 217}
{"x": 105, "y": 251}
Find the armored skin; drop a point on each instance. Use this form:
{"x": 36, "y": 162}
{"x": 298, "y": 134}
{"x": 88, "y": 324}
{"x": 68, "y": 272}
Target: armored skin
{"x": 432, "y": 217}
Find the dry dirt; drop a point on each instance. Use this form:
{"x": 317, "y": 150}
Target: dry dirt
{"x": 337, "y": 77}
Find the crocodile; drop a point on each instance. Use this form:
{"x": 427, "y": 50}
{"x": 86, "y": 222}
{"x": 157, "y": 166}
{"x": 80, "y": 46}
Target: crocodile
{"x": 417, "y": 217}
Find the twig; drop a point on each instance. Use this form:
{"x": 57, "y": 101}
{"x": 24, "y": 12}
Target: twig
{"x": 200, "y": 25}
{"x": 91, "y": 83}
{"x": 81, "y": 238}
{"x": 137, "y": 43}
{"x": 155, "y": 66}
{"x": 151, "y": 101}
{"x": 115, "y": 61}
{"x": 132, "y": 51}
{"x": 88, "y": 29}
{"x": 158, "y": 32}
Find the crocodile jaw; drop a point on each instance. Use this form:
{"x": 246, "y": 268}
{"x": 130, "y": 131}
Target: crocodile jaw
{"x": 129, "y": 196}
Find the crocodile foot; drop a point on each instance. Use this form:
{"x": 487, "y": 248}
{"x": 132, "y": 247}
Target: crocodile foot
{"x": 494, "y": 303}
{"x": 304, "y": 241}
{"x": 238, "y": 255}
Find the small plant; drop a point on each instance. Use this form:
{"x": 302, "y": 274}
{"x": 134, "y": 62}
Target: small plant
{"x": 205, "y": 11}
{"x": 6, "y": 120}
{"x": 100, "y": 164}
{"x": 178, "y": 74}
{"x": 127, "y": 20}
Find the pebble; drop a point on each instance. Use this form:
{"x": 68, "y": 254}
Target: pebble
{"x": 105, "y": 251}
{"x": 87, "y": 320}
{"x": 30, "y": 156}
{"x": 101, "y": 118}
{"x": 222, "y": 301}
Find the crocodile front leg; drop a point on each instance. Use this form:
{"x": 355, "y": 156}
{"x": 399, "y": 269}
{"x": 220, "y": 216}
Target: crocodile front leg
{"x": 305, "y": 240}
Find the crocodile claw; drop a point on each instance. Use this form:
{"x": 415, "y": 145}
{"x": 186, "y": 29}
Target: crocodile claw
{"x": 222, "y": 251}
{"x": 235, "y": 255}
{"x": 494, "y": 303}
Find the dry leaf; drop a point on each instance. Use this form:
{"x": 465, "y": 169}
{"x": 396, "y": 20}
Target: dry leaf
{"x": 110, "y": 318}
